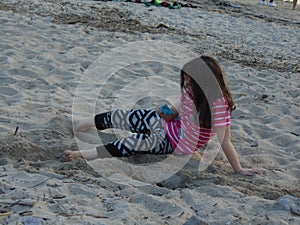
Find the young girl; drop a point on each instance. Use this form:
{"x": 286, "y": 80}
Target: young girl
{"x": 203, "y": 111}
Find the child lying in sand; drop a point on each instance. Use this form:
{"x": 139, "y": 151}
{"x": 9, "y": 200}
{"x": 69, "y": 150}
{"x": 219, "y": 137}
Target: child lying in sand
{"x": 201, "y": 113}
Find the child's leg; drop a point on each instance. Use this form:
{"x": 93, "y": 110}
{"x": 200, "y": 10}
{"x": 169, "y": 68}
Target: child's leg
{"x": 150, "y": 139}
{"x": 107, "y": 151}
{"x": 163, "y": 148}
{"x": 140, "y": 121}
{"x": 156, "y": 143}
{"x": 99, "y": 152}
{"x": 85, "y": 124}
{"x": 294, "y": 4}
{"x": 137, "y": 121}
{"x": 100, "y": 121}
{"x": 88, "y": 155}
{"x": 72, "y": 155}
{"x": 133, "y": 144}
{"x": 125, "y": 147}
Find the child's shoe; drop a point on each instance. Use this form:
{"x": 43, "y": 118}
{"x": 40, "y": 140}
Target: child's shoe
{"x": 262, "y": 2}
{"x": 272, "y": 4}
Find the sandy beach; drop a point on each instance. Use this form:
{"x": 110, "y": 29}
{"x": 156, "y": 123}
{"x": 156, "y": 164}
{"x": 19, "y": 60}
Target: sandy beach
{"x": 56, "y": 54}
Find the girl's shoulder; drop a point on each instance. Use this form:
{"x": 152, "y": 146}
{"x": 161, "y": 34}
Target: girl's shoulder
{"x": 185, "y": 94}
{"x": 220, "y": 102}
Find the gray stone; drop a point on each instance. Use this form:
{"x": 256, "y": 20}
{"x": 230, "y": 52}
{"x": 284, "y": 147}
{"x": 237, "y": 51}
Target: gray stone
{"x": 29, "y": 220}
{"x": 3, "y": 162}
{"x": 196, "y": 220}
{"x": 172, "y": 183}
{"x": 288, "y": 203}
{"x": 56, "y": 194}
{"x": 163, "y": 208}
{"x": 254, "y": 144}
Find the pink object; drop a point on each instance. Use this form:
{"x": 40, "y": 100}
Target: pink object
{"x": 184, "y": 132}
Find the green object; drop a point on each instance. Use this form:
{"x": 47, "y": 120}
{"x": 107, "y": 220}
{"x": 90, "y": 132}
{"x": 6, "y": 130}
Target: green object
{"x": 175, "y": 6}
{"x": 153, "y": 3}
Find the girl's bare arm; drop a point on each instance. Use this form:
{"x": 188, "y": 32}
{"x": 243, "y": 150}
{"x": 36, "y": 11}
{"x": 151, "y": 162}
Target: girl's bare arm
{"x": 224, "y": 137}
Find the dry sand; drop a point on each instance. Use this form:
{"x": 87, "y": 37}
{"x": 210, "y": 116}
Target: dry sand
{"x": 46, "y": 47}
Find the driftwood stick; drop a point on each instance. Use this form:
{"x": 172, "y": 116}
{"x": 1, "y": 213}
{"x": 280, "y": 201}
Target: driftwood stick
{"x": 6, "y": 213}
{"x": 16, "y": 130}
{"x": 25, "y": 202}
{"x": 40, "y": 183}
{"x": 59, "y": 206}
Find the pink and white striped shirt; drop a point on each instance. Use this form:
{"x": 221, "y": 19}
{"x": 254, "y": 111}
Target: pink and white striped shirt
{"x": 184, "y": 132}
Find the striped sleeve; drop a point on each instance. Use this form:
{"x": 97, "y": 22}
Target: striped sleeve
{"x": 221, "y": 113}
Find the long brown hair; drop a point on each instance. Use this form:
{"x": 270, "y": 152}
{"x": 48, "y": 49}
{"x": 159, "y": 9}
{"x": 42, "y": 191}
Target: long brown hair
{"x": 201, "y": 71}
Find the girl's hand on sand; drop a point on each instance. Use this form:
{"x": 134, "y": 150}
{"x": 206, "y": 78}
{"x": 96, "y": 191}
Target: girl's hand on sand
{"x": 249, "y": 172}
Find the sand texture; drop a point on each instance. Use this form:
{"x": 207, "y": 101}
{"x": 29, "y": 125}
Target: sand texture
{"x": 49, "y": 47}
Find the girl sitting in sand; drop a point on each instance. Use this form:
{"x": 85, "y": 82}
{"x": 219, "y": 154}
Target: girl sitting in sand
{"x": 201, "y": 113}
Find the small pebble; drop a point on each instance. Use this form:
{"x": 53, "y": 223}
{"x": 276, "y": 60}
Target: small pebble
{"x": 3, "y": 161}
{"x": 254, "y": 144}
